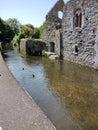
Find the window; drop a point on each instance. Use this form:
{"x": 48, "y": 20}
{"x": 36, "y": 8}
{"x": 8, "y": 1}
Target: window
{"x": 60, "y": 14}
{"x": 78, "y": 19}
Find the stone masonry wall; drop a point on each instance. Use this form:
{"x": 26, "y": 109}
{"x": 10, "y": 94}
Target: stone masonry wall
{"x": 96, "y": 45}
{"x": 78, "y": 31}
{"x": 84, "y": 37}
{"x": 53, "y": 27}
{"x": 23, "y": 45}
{"x": 32, "y": 47}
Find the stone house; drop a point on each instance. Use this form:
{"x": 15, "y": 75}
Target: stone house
{"x": 74, "y": 37}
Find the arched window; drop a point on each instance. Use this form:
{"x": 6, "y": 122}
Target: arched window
{"x": 60, "y": 14}
{"x": 78, "y": 19}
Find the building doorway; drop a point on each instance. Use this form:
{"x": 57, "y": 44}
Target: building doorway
{"x": 52, "y": 47}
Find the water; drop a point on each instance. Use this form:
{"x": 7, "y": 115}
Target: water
{"x": 66, "y": 92}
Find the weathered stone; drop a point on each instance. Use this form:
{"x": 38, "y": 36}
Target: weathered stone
{"x": 51, "y": 34}
{"x": 84, "y": 34}
{"x": 32, "y": 47}
{"x": 49, "y": 53}
{"x": 79, "y": 30}
{"x": 96, "y": 48}
{"x": 53, "y": 57}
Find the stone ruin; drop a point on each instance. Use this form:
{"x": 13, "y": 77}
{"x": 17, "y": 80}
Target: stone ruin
{"x": 33, "y": 47}
{"x": 52, "y": 31}
{"x": 74, "y": 37}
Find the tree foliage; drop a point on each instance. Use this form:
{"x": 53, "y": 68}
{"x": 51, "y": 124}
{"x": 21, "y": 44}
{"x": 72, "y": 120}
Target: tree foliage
{"x": 6, "y": 33}
{"x": 36, "y": 33}
{"x": 27, "y": 30}
{"x": 14, "y": 25}
{"x": 42, "y": 28}
{"x": 12, "y": 30}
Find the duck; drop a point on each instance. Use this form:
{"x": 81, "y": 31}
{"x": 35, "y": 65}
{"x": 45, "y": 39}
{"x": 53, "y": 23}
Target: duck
{"x": 33, "y": 75}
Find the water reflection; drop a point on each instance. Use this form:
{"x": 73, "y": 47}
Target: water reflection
{"x": 78, "y": 90}
{"x": 66, "y": 92}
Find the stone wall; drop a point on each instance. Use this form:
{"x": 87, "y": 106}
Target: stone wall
{"x": 96, "y": 49}
{"x": 76, "y": 34}
{"x": 79, "y": 42}
{"x": 32, "y": 47}
{"x": 22, "y": 45}
{"x": 52, "y": 30}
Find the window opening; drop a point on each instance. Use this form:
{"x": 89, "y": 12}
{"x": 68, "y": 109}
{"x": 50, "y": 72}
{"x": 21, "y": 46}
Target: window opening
{"x": 78, "y": 19}
{"x": 60, "y": 14}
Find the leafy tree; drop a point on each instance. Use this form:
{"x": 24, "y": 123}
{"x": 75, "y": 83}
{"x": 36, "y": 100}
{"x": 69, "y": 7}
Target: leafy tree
{"x": 42, "y": 28}
{"x": 17, "y": 38}
{"x": 6, "y": 33}
{"x": 36, "y": 33}
{"x": 21, "y": 35}
{"x": 28, "y": 30}
{"x": 14, "y": 25}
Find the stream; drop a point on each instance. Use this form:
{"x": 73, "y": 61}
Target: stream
{"x": 66, "y": 92}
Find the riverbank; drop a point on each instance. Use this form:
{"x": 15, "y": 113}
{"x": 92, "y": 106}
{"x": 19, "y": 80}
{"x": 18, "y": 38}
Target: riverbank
{"x": 18, "y": 111}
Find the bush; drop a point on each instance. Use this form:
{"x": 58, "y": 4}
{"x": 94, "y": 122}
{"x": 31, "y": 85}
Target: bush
{"x": 43, "y": 53}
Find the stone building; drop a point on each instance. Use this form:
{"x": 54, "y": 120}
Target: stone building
{"x": 52, "y": 32}
{"x": 75, "y": 36}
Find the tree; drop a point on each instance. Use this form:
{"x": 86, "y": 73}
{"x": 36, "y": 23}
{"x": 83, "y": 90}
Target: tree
{"x": 7, "y": 33}
{"x": 14, "y": 25}
{"x": 42, "y": 28}
{"x": 28, "y": 30}
{"x": 36, "y": 33}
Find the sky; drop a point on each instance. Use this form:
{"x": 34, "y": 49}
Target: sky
{"x": 26, "y": 11}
